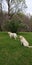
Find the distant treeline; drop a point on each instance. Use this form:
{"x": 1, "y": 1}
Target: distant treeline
{"x": 15, "y": 22}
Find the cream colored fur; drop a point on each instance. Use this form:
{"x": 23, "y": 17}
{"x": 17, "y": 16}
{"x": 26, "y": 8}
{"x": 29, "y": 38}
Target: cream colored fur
{"x": 14, "y": 35}
{"x": 24, "y": 42}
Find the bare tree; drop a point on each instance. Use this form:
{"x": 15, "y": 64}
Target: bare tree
{"x": 0, "y": 5}
{"x": 8, "y": 2}
{"x": 14, "y": 6}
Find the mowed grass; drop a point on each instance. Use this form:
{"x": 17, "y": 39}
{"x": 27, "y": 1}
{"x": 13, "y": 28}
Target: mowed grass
{"x": 11, "y": 51}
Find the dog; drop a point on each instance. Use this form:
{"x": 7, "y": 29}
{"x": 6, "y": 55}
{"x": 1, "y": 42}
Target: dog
{"x": 24, "y": 42}
{"x": 12, "y": 35}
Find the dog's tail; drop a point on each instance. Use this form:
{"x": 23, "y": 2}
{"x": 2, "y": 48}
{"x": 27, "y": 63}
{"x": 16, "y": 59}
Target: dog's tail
{"x": 29, "y": 46}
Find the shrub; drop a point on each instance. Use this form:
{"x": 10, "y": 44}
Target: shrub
{"x": 11, "y": 25}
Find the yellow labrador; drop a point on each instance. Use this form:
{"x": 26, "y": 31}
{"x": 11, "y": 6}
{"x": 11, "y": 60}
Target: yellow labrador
{"x": 24, "y": 42}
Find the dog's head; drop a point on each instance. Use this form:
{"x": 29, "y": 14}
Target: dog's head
{"x": 20, "y": 37}
{"x": 8, "y": 32}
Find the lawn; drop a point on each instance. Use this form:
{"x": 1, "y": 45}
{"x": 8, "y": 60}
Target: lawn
{"x": 11, "y": 51}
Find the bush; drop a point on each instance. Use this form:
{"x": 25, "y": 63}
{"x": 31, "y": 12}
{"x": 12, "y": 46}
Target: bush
{"x": 14, "y": 26}
{"x": 11, "y": 25}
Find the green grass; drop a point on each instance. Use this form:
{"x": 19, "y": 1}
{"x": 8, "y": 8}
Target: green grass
{"x": 11, "y": 51}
